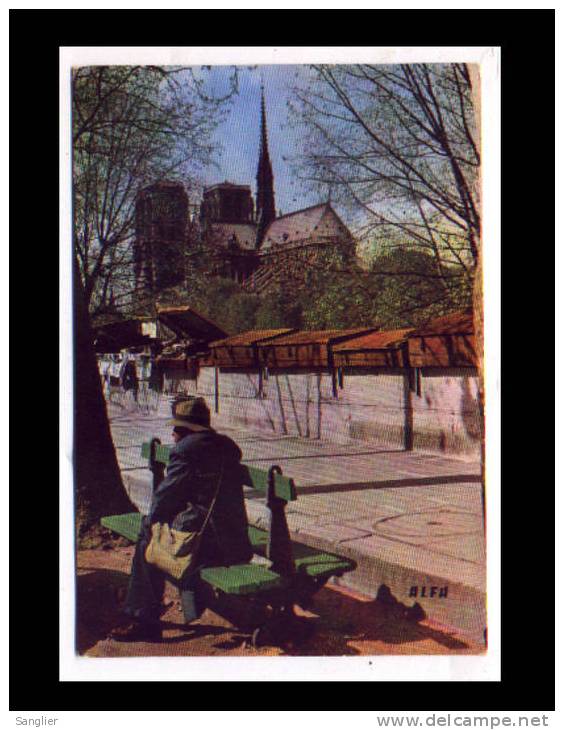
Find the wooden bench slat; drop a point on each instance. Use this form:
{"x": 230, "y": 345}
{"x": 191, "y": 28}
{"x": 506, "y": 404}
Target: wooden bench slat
{"x": 246, "y": 578}
{"x": 242, "y": 579}
{"x": 284, "y": 487}
{"x": 128, "y": 525}
{"x": 259, "y": 540}
{"x": 313, "y": 567}
{"x": 162, "y": 452}
{"x": 318, "y": 565}
{"x": 309, "y": 560}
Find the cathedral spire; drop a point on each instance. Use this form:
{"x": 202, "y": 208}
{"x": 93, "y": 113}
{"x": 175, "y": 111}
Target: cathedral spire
{"x": 266, "y": 211}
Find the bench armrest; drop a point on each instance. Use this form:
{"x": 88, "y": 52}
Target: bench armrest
{"x": 284, "y": 488}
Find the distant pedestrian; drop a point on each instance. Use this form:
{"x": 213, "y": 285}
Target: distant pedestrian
{"x": 130, "y": 379}
{"x": 107, "y": 384}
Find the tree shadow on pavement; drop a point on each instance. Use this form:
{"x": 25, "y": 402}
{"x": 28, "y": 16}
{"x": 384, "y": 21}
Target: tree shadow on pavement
{"x": 98, "y": 594}
{"x": 189, "y": 631}
{"x": 343, "y": 622}
{"x": 343, "y": 625}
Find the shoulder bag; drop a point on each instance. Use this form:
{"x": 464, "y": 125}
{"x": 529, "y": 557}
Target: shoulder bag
{"x": 175, "y": 551}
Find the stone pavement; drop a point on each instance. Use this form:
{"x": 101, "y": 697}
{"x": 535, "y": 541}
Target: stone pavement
{"x": 412, "y": 521}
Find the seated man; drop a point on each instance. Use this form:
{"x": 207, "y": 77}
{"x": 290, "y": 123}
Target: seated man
{"x": 200, "y": 461}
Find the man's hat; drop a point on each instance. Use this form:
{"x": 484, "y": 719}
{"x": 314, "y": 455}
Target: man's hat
{"x": 192, "y": 413}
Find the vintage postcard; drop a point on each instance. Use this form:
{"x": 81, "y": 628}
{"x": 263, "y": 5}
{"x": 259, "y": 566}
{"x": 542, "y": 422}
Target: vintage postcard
{"x": 281, "y": 383}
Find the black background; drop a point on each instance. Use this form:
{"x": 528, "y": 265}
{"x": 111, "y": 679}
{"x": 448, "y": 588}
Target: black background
{"x": 526, "y": 39}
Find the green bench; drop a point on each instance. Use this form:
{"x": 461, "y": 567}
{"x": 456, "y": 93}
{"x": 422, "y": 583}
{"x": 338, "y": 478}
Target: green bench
{"x": 259, "y": 596}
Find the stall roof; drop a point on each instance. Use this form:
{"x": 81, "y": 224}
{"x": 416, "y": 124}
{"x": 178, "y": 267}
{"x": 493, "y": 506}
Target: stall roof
{"x": 118, "y": 335}
{"x": 246, "y": 339}
{"x": 319, "y": 337}
{"x": 374, "y": 341}
{"x": 456, "y": 323}
{"x": 187, "y": 323}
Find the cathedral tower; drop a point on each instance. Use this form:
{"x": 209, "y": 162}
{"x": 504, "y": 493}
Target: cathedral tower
{"x": 161, "y": 217}
{"x": 266, "y": 211}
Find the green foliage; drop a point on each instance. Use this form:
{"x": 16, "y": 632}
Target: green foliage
{"x": 237, "y": 312}
{"x": 410, "y": 289}
{"x": 277, "y": 310}
{"x": 221, "y": 300}
{"x": 339, "y": 300}
{"x": 404, "y": 287}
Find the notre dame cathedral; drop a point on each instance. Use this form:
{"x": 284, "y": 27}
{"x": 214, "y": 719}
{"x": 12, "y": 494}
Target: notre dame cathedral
{"x": 233, "y": 236}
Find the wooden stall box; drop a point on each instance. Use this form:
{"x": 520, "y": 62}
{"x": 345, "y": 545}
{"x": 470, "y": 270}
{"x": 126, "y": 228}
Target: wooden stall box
{"x": 241, "y": 351}
{"x": 445, "y": 342}
{"x": 305, "y": 349}
{"x": 376, "y": 349}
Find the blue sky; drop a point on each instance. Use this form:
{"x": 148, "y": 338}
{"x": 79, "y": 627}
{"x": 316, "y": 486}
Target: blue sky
{"x": 239, "y": 135}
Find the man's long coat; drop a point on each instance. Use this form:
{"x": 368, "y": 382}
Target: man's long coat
{"x": 197, "y": 464}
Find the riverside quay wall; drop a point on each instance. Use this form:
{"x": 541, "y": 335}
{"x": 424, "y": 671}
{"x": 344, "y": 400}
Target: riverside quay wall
{"x": 381, "y": 406}
{"x": 442, "y": 416}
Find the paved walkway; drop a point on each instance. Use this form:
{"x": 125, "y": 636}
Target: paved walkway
{"x": 412, "y": 521}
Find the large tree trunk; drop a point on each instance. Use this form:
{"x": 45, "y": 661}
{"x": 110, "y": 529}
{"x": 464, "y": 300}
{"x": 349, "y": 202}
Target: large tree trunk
{"x": 99, "y": 488}
{"x": 478, "y": 297}
{"x": 478, "y": 293}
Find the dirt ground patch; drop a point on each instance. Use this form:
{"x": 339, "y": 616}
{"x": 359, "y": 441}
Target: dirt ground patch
{"x": 345, "y": 623}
